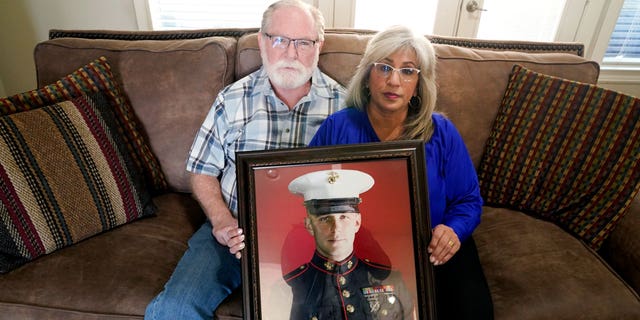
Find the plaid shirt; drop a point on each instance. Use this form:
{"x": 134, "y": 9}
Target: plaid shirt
{"x": 247, "y": 115}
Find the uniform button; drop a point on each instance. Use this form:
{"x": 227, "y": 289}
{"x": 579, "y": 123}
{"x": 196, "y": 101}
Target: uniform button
{"x": 384, "y": 312}
{"x": 342, "y": 280}
{"x": 346, "y": 293}
{"x": 314, "y": 318}
{"x": 350, "y": 308}
{"x": 349, "y": 264}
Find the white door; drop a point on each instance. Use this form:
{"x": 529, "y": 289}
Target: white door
{"x": 538, "y": 20}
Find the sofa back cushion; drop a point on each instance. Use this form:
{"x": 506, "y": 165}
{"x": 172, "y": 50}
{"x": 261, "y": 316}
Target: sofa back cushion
{"x": 171, "y": 84}
{"x": 471, "y": 81}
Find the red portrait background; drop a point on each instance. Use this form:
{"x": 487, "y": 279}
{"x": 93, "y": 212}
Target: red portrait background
{"x": 385, "y": 237}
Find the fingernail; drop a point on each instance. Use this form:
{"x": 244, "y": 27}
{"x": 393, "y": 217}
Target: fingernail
{"x": 432, "y": 259}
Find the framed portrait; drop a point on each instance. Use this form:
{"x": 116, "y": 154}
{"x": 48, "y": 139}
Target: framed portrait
{"x": 287, "y": 271}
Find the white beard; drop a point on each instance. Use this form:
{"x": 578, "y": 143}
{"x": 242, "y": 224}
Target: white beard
{"x": 288, "y": 74}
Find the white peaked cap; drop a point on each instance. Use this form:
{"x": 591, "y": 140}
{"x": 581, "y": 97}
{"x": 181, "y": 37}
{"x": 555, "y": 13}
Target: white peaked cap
{"x": 331, "y": 184}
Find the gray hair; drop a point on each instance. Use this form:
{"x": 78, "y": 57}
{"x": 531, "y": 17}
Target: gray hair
{"x": 317, "y": 16}
{"x": 418, "y": 124}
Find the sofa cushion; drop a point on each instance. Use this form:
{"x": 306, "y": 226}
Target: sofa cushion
{"x": 564, "y": 151}
{"x": 538, "y": 271}
{"x": 93, "y": 77}
{"x": 65, "y": 175}
{"x": 171, "y": 85}
{"x": 110, "y": 276}
{"x": 471, "y": 83}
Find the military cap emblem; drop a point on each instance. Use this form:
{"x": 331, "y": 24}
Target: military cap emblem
{"x": 333, "y": 177}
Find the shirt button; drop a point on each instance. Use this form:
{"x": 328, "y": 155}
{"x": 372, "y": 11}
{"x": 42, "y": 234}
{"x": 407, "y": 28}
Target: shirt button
{"x": 346, "y": 293}
{"x": 287, "y": 130}
{"x": 350, "y": 308}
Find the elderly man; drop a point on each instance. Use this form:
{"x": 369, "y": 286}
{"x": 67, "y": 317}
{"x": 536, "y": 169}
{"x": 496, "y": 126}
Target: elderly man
{"x": 279, "y": 106}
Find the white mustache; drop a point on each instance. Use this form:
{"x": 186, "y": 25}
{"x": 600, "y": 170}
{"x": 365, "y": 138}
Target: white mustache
{"x": 289, "y": 64}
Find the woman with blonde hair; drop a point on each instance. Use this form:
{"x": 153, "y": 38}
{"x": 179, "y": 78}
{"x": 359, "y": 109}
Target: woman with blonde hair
{"x": 392, "y": 96}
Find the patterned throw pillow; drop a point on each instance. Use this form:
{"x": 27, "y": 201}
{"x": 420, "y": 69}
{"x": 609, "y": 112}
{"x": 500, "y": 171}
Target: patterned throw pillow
{"x": 95, "y": 77}
{"x": 565, "y": 151}
{"x": 65, "y": 175}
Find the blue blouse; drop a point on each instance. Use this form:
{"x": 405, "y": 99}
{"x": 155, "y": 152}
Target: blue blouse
{"x": 454, "y": 193}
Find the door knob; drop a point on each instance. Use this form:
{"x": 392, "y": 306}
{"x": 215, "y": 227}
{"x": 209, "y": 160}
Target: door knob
{"x": 473, "y": 6}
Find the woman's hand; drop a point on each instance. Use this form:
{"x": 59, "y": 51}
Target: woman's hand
{"x": 444, "y": 244}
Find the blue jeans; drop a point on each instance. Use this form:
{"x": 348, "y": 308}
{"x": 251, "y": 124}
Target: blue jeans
{"x": 204, "y": 277}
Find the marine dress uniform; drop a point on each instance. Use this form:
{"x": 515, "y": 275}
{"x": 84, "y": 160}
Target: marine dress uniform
{"x": 353, "y": 288}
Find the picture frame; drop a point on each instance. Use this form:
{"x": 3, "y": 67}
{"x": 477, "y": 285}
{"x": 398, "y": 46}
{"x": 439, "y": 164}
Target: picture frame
{"x": 395, "y": 229}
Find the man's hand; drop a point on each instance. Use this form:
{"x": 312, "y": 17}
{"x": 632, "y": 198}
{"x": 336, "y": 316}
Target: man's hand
{"x": 206, "y": 190}
{"x": 227, "y": 233}
{"x": 444, "y": 244}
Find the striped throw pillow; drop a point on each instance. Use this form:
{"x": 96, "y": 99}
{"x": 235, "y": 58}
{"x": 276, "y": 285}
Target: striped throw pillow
{"x": 65, "y": 175}
{"x": 564, "y": 151}
{"x": 95, "y": 77}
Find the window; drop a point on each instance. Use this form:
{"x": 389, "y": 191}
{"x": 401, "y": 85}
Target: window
{"x": 377, "y": 14}
{"x": 508, "y": 20}
{"x": 202, "y": 14}
{"x": 624, "y": 45}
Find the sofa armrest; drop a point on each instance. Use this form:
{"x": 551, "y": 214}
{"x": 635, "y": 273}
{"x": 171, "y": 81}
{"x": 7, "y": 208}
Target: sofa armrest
{"x": 622, "y": 248}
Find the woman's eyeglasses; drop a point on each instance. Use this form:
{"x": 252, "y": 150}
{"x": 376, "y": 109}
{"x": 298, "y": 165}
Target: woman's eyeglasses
{"x": 406, "y": 74}
{"x": 280, "y": 42}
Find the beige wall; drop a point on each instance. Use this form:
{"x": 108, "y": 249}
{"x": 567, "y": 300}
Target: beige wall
{"x": 23, "y": 23}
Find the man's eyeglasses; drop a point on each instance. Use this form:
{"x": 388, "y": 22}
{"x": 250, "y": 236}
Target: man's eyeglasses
{"x": 384, "y": 70}
{"x": 280, "y": 42}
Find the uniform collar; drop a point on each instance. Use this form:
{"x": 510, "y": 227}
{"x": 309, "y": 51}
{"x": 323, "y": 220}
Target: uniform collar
{"x": 344, "y": 266}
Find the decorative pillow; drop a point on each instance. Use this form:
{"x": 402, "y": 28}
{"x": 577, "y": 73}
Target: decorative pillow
{"x": 564, "y": 151}
{"x": 93, "y": 77}
{"x": 65, "y": 175}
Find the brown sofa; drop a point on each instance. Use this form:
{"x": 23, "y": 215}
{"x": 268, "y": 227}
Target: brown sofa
{"x": 535, "y": 269}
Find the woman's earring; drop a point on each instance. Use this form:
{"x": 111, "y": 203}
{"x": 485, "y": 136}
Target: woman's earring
{"x": 415, "y": 102}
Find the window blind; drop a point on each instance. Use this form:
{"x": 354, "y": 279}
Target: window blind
{"x": 625, "y": 39}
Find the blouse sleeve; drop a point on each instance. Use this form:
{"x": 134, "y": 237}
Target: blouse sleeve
{"x": 463, "y": 199}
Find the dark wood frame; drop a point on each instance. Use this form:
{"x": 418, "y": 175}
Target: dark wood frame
{"x": 410, "y": 151}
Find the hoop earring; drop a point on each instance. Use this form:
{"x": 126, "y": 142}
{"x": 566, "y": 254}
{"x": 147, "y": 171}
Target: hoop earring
{"x": 415, "y": 102}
